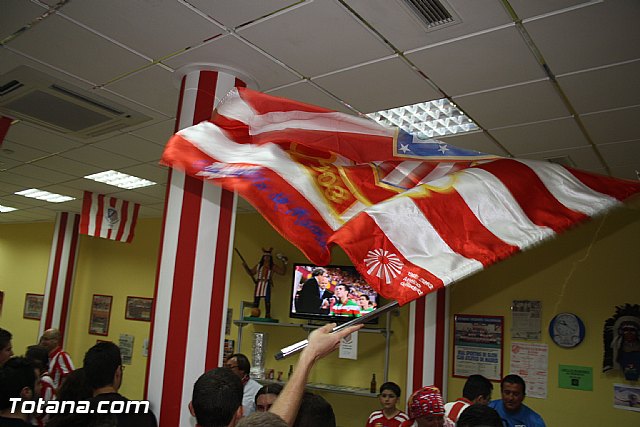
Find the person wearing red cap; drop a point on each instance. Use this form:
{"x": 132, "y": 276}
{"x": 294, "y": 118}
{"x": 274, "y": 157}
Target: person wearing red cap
{"x": 426, "y": 409}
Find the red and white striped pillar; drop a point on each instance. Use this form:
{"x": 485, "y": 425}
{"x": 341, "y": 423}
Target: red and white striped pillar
{"x": 193, "y": 268}
{"x": 60, "y": 275}
{"x": 428, "y": 342}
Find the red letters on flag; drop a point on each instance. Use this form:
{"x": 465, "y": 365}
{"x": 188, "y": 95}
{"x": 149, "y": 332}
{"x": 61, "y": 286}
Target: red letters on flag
{"x": 108, "y": 217}
{"x": 412, "y": 215}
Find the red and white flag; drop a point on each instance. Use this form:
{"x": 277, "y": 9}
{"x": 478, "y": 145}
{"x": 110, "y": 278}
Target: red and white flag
{"x": 413, "y": 215}
{"x": 108, "y": 217}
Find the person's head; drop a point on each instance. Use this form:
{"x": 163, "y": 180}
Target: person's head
{"x": 479, "y": 415}
{"x": 315, "y": 411}
{"x": 426, "y": 407}
{"x": 341, "y": 291}
{"x": 17, "y": 379}
{"x": 266, "y": 396}
{"x": 39, "y": 357}
{"x": 238, "y": 364}
{"x": 217, "y": 398}
{"x": 389, "y": 395}
{"x": 363, "y": 301}
{"x": 50, "y": 339}
{"x": 321, "y": 276}
{"x": 74, "y": 387}
{"x": 262, "y": 419}
{"x": 103, "y": 366}
{"x": 629, "y": 331}
{"x": 6, "y": 348}
{"x": 477, "y": 389}
{"x": 513, "y": 392}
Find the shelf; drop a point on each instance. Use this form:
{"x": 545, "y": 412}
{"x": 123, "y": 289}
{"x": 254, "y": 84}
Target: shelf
{"x": 333, "y": 388}
{"x": 241, "y": 323}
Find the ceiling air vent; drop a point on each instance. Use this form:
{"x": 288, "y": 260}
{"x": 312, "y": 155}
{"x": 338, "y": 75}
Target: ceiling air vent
{"x": 431, "y": 13}
{"x": 35, "y": 97}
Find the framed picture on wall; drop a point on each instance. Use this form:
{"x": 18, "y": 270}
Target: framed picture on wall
{"x": 100, "y": 314}
{"x": 478, "y": 346}
{"x": 138, "y": 308}
{"x": 33, "y": 306}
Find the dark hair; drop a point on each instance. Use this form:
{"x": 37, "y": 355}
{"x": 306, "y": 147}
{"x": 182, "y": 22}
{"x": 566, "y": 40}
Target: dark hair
{"x": 15, "y": 375}
{"x": 5, "y": 338}
{"x": 217, "y": 395}
{"x": 100, "y": 364}
{"x": 74, "y": 387}
{"x": 242, "y": 361}
{"x": 262, "y": 419}
{"x": 273, "y": 388}
{"x": 479, "y": 415}
{"x": 318, "y": 272}
{"x": 477, "y": 386}
{"x": 514, "y": 379}
{"x": 315, "y": 411}
{"x": 38, "y": 356}
{"x": 395, "y": 388}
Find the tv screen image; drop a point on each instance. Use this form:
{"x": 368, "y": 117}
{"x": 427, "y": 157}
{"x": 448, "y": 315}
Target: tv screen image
{"x": 333, "y": 293}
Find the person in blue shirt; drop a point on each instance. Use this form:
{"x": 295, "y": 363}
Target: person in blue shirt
{"x": 511, "y": 409}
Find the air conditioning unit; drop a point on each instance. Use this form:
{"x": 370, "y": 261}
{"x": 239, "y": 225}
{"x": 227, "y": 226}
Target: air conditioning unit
{"x": 35, "y": 97}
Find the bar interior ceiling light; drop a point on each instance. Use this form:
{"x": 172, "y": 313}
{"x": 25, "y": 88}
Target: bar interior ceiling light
{"x": 119, "y": 179}
{"x": 429, "y": 119}
{"x": 34, "y": 193}
{"x": 4, "y": 209}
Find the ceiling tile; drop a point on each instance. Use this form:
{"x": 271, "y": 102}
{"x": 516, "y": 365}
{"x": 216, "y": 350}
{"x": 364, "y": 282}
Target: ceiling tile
{"x": 151, "y": 171}
{"x": 588, "y": 37}
{"x": 398, "y": 24}
{"x": 135, "y": 196}
{"x": 233, "y": 13}
{"x": 453, "y": 66}
{"x": 159, "y": 132}
{"x": 233, "y": 53}
{"x": 15, "y": 152}
{"x": 304, "y": 91}
{"x": 24, "y": 182}
{"x": 364, "y": 88}
{"x": 154, "y": 87}
{"x": 35, "y": 137}
{"x": 542, "y": 136}
{"x": 527, "y": 8}
{"x": 57, "y": 42}
{"x": 478, "y": 141}
{"x": 131, "y": 146}
{"x": 17, "y": 14}
{"x": 530, "y": 102}
{"x": 626, "y": 172}
{"x": 48, "y": 175}
{"x": 613, "y": 126}
{"x": 101, "y": 158}
{"x": 84, "y": 184}
{"x": 69, "y": 166}
{"x": 584, "y": 158}
{"x": 622, "y": 154}
{"x": 603, "y": 89}
{"x": 300, "y": 38}
{"x": 163, "y": 31}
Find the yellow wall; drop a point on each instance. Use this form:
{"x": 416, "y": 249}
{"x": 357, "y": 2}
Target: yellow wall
{"x": 588, "y": 272}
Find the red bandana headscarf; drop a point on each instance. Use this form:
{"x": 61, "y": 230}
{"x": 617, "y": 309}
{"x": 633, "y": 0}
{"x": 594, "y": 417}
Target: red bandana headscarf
{"x": 426, "y": 401}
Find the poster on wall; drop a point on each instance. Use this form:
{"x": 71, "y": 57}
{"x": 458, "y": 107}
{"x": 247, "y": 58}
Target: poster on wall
{"x": 575, "y": 377}
{"x": 478, "y": 346}
{"x": 531, "y": 361}
{"x": 33, "y": 306}
{"x": 525, "y": 320}
{"x": 626, "y": 397}
{"x": 138, "y": 308}
{"x": 100, "y": 314}
{"x": 126, "y": 348}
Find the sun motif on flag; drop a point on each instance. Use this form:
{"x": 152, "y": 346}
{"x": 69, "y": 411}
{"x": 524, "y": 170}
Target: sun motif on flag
{"x": 383, "y": 264}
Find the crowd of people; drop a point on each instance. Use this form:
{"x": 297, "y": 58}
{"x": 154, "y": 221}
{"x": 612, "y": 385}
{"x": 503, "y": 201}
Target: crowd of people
{"x": 228, "y": 397}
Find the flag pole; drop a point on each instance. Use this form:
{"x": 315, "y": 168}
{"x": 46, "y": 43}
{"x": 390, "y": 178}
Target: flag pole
{"x": 300, "y": 345}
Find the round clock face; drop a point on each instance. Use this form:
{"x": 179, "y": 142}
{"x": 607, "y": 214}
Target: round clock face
{"x": 566, "y": 330}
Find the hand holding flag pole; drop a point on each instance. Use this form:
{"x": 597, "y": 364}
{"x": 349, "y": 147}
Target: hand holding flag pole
{"x": 300, "y": 345}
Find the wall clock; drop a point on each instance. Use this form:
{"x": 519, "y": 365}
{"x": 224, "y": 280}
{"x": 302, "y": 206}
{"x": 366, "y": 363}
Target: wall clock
{"x": 566, "y": 330}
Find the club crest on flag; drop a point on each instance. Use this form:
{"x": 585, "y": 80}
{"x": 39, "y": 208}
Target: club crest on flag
{"x": 108, "y": 217}
{"x": 383, "y": 264}
{"x": 112, "y": 217}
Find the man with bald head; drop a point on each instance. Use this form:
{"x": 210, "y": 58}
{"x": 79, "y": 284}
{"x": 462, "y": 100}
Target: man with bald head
{"x": 60, "y": 364}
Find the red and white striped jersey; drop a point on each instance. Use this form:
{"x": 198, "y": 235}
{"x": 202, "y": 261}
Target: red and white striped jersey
{"x": 60, "y": 365}
{"x": 379, "y": 417}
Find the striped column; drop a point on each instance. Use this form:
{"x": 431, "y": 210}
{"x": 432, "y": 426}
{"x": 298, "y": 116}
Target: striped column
{"x": 193, "y": 268}
{"x": 60, "y": 275}
{"x": 428, "y": 342}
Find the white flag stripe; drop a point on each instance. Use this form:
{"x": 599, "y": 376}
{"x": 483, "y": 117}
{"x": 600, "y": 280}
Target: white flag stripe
{"x": 439, "y": 171}
{"x": 93, "y": 215}
{"x": 429, "y": 343}
{"x": 210, "y": 139}
{"x": 494, "y": 206}
{"x": 419, "y": 242}
{"x": 128, "y": 223}
{"x": 569, "y": 191}
{"x": 400, "y": 172}
{"x": 280, "y": 120}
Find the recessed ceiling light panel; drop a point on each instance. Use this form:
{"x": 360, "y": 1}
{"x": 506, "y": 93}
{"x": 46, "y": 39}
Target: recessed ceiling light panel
{"x": 34, "y": 193}
{"x": 119, "y": 179}
{"x": 4, "y": 209}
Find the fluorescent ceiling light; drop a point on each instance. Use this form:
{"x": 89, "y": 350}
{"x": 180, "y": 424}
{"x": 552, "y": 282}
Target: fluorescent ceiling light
{"x": 120, "y": 179}
{"x": 427, "y": 119}
{"x": 4, "y": 209}
{"x": 34, "y": 193}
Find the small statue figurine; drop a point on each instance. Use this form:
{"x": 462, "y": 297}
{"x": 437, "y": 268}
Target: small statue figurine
{"x": 622, "y": 341}
{"x": 262, "y": 274}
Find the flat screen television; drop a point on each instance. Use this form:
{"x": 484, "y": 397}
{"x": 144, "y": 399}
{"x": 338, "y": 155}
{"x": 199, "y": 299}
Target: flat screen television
{"x": 332, "y": 293}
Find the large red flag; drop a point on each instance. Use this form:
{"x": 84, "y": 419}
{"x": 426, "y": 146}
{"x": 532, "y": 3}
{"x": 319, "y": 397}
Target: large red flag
{"x": 413, "y": 215}
{"x": 108, "y": 217}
